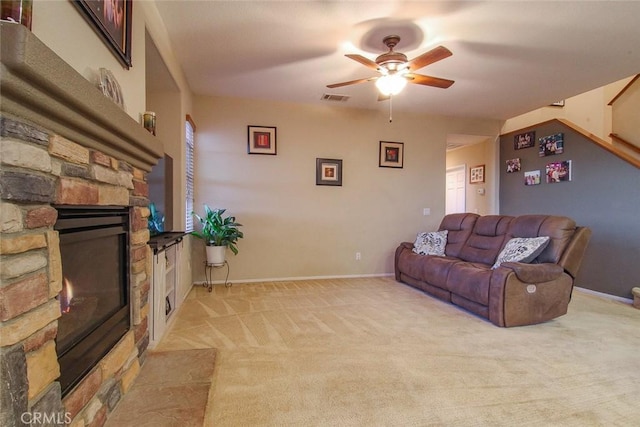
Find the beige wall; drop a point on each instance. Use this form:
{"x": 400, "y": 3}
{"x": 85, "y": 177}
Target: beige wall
{"x": 294, "y": 228}
{"x": 588, "y": 110}
{"x": 174, "y": 107}
{"x": 482, "y": 153}
{"x": 64, "y": 30}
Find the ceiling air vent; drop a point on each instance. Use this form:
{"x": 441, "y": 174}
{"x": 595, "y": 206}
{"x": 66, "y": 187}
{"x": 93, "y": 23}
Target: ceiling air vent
{"x": 332, "y": 97}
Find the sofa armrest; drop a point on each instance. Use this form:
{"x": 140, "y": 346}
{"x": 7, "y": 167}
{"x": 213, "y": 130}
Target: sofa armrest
{"x": 542, "y": 293}
{"x": 401, "y": 248}
{"x": 408, "y": 245}
{"x": 534, "y": 273}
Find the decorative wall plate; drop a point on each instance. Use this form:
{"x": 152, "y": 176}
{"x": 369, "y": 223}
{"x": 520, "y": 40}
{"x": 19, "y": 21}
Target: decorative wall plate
{"x": 110, "y": 87}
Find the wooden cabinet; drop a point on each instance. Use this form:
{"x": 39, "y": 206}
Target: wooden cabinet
{"x": 164, "y": 290}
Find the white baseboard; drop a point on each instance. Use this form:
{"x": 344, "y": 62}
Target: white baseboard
{"x": 603, "y": 295}
{"x": 288, "y": 279}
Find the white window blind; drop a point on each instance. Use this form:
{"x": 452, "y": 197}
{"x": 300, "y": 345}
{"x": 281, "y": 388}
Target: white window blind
{"x": 189, "y": 129}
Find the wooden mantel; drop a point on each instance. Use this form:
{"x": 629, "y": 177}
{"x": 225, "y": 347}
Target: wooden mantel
{"x": 37, "y": 85}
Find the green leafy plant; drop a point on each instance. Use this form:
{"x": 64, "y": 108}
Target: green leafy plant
{"x": 218, "y": 230}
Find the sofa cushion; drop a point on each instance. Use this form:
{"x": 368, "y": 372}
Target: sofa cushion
{"x": 486, "y": 239}
{"x": 427, "y": 268}
{"x": 471, "y": 281}
{"x": 459, "y": 227}
{"x": 560, "y": 230}
{"x": 435, "y": 270}
{"x": 521, "y": 249}
{"x": 431, "y": 243}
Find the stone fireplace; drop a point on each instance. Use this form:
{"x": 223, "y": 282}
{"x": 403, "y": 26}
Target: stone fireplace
{"x": 65, "y": 148}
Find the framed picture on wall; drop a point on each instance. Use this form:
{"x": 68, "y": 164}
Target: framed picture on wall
{"x": 112, "y": 21}
{"x": 524, "y": 140}
{"x": 513, "y": 165}
{"x": 551, "y": 144}
{"x": 391, "y": 154}
{"x": 532, "y": 178}
{"x": 329, "y": 172}
{"x": 558, "y": 171}
{"x": 262, "y": 140}
{"x": 476, "y": 174}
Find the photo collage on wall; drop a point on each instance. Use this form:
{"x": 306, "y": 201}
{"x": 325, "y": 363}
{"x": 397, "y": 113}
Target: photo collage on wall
{"x": 549, "y": 145}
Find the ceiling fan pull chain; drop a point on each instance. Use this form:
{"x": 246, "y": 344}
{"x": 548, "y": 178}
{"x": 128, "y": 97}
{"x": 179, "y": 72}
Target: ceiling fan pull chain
{"x": 390, "y": 108}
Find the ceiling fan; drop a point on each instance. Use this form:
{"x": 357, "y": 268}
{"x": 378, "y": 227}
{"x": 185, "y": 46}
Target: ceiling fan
{"x": 396, "y": 70}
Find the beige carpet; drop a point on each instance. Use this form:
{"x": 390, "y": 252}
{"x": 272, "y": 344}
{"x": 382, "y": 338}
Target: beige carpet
{"x": 374, "y": 352}
{"x": 171, "y": 390}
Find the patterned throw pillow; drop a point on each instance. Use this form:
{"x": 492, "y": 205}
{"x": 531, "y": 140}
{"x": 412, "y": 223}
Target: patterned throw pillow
{"x": 522, "y": 249}
{"x": 431, "y": 243}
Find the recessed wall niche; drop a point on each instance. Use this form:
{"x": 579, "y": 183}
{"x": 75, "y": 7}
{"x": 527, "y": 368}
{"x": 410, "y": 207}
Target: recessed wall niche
{"x": 160, "y": 181}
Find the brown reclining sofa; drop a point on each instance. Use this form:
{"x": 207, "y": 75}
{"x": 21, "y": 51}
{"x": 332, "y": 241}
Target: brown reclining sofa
{"x": 513, "y": 294}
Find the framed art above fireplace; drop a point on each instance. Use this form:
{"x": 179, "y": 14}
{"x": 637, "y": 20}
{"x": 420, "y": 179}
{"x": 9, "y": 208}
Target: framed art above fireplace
{"x": 112, "y": 21}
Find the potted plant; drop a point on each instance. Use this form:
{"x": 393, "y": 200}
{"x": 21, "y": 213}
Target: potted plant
{"x": 218, "y": 233}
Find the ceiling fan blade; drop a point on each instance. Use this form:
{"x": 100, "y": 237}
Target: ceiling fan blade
{"x": 434, "y": 55}
{"x": 429, "y": 81}
{"x": 364, "y": 61}
{"x": 382, "y": 97}
{"x": 351, "y": 82}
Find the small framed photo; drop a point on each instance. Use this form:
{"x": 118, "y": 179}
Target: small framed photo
{"x": 329, "y": 172}
{"x": 532, "y": 178}
{"x": 476, "y": 174}
{"x": 391, "y": 154}
{"x": 513, "y": 165}
{"x": 552, "y": 144}
{"x": 558, "y": 171}
{"x": 524, "y": 140}
{"x": 262, "y": 140}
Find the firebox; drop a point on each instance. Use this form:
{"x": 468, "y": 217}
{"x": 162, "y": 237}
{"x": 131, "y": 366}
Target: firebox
{"x": 94, "y": 301}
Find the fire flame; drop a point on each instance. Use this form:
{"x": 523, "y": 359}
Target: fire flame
{"x": 66, "y": 296}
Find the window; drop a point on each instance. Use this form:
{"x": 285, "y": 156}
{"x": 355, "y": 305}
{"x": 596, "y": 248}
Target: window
{"x": 190, "y": 129}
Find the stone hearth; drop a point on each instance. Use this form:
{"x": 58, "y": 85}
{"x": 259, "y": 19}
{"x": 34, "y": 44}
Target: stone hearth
{"x": 62, "y": 143}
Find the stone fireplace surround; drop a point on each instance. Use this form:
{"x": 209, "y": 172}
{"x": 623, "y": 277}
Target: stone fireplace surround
{"x": 62, "y": 143}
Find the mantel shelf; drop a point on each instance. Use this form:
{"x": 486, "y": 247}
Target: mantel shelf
{"x": 41, "y": 87}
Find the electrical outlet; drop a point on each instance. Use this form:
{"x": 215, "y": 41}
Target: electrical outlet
{"x": 358, "y": 256}
{"x": 426, "y": 211}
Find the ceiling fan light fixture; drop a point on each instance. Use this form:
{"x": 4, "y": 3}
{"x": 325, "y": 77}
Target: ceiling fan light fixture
{"x": 396, "y": 70}
{"x": 391, "y": 84}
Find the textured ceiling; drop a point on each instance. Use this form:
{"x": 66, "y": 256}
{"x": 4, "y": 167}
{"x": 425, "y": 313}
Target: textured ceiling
{"x": 508, "y": 57}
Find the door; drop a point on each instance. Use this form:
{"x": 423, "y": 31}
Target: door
{"x": 456, "y": 190}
